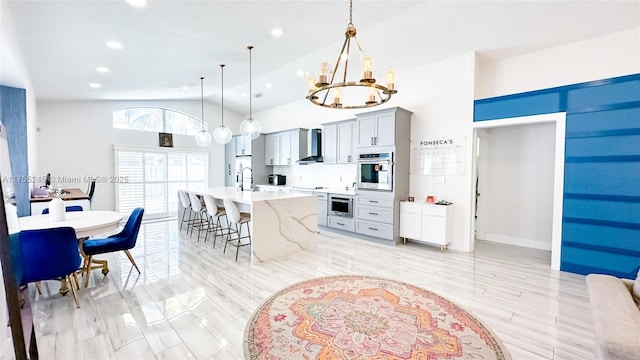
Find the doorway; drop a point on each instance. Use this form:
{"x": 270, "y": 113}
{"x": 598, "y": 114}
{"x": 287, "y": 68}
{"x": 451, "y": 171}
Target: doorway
{"x": 518, "y": 182}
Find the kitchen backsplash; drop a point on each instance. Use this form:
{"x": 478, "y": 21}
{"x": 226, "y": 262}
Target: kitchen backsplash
{"x": 325, "y": 175}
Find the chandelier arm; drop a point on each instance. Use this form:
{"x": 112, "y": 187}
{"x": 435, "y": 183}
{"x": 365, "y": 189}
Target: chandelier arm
{"x": 346, "y": 61}
{"x": 358, "y": 45}
{"x": 335, "y": 69}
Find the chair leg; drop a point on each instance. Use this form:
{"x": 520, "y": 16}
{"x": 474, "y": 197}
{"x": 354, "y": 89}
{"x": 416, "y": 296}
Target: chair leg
{"x": 38, "y": 287}
{"x": 182, "y": 220}
{"x": 226, "y": 240}
{"x": 73, "y": 283}
{"x": 131, "y": 259}
{"x": 238, "y": 244}
{"x": 87, "y": 271}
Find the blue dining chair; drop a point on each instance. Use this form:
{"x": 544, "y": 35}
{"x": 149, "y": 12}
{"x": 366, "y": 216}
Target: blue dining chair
{"x": 47, "y": 254}
{"x": 71, "y": 208}
{"x": 123, "y": 241}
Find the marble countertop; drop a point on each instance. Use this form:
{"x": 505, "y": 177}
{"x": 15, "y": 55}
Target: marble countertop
{"x": 248, "y": 197}
{"x": 309, "y": 189}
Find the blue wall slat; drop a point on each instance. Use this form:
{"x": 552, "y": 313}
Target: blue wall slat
{"x": 598, "y": 261}
{"x": 607, "y": 94}
{"x": 518, "y": 106}
{"x": 626, "y": 212}
{"x": 603, "y": 120}
{"x": 602, "y": 197}
{"x": 604, "y": 236}
{"x": 14, "y": 117}
{"x": 602, "y": 178}
{"x": 603, "y": 146}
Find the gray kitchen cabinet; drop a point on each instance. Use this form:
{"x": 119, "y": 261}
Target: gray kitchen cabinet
{"x": 230, "y": 162}
{"x": 339, "y": 141}
{"x": 329, "y": 144}
{"x": 272, "y": 149}
{"x": 377, "y": 129}
{"x": 243, "y": 145}
{"x": 323, "y": 210}
{"x": 347, "y": 140}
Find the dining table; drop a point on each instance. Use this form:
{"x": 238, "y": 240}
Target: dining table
{"x": 71, "y": 197}
{"x": 85, "y": 223}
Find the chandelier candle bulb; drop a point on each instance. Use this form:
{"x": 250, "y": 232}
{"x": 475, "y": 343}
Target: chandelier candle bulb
{"x": 391, "y": 77}
{"x": 323, "y": 79}
{"x": 336, "y": 97}
{"x": 372, "y": 95}
{"x": 368, "y": 66}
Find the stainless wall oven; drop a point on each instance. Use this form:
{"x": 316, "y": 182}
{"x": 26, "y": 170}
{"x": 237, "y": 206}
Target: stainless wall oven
{"x": 375, "y": 171}
{"x": 340, "y": 205}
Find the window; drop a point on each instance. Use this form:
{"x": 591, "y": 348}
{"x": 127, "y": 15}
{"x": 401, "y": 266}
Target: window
{"x": 157, "y": 120}
{"x": 151, "y": 178}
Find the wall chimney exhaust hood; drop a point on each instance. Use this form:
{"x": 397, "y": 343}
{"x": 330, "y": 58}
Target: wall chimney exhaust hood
{"x": 316, "y": 148}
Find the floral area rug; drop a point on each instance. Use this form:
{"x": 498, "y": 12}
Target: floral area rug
{"x": 361, "y": 317}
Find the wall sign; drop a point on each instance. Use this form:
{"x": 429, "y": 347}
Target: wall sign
{"x": 443, "y": 156}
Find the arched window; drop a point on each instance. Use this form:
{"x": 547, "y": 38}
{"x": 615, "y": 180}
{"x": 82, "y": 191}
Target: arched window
{"x": 156, "y": 120}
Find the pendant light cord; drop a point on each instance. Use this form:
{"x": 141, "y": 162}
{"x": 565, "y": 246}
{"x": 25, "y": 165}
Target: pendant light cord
{"x": 250, "y": 88}
{"x": 350, "y": 12}
{"x": 222, "y": 93}
{"x": 202, "y": 99}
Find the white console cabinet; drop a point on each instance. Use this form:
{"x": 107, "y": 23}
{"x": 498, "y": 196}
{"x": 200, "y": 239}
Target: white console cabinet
{"x": 426, "y": 223}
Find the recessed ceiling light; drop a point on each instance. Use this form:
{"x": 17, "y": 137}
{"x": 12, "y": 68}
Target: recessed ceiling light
{"x": 300, "y": 73}
{"x": 102, "y": 69}
{"x": 268, "y": 85}
{"x": 276, "y": 32}
{"x": 94, "y": 85}
{"x": 244, "y": 94}
{"x": 184, "y": 87}
{"x": 114, "y": 44}
{"x": 137, "y": 3}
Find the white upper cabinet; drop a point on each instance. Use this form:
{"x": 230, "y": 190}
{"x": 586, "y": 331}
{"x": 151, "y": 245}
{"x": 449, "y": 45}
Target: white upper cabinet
{"x": 272, "y": 149}
{"x": 243, "y": 145}
{"x": 377, "y": 129}
{"x": 339, "y": 141}
{"x": 285, "y": 147}
{"x": 329, "y": 143}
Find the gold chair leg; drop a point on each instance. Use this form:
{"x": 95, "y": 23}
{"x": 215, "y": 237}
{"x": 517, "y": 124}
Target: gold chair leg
{"x": 72, "y": 283}
{"x": 87, "y": 271}
{"x": 238, "y": 244}
{"x": 131, "y": 259}
{"x": 38, "y": 287}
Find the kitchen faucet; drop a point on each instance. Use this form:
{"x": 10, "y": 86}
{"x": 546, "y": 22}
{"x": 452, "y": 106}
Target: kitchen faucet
{"x": 242, "y": 178}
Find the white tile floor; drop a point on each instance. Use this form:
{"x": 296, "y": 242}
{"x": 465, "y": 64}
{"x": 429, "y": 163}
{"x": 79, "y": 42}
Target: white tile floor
{"x": 192, "y": 302}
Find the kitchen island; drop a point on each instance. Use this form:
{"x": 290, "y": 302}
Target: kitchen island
{"x": 281, "y": 223}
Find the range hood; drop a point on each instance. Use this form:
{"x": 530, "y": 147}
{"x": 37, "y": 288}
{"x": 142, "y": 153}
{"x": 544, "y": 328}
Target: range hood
{"x": 316, "y": 148}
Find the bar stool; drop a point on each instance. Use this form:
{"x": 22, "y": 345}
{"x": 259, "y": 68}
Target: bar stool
{"x": 214, "y": 212}
{"x": 237, "y": 218}
{"x": 186, "y": 204}
{"x": 199, "y": 220}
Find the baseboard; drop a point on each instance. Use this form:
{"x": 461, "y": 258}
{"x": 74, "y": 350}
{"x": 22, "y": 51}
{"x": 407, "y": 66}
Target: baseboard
{"x": 510, "y": 240}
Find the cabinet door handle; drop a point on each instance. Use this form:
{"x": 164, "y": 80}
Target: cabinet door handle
{"x": 376, "y": 140}
{"x": 348, "y": 158}
{"x": 340, "y": 223}
{"x": 373, "y": 213}
{"x": 373, "y": 201}
{"x": 374, "y": 229}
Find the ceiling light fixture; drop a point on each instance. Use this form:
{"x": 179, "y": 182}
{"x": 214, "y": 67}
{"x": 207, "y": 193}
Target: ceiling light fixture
{"x": 137, "y": 3}
{"x": 250, "y": 127}
{"x": 222, "y": 134}
{"x": 114, "y": 44}
{"x": 203, "y": 138}
{"x": 94, "y": 85}
{"x": 102, "y": 69}
{"x": 375, "y": 94}
{"x": 276, "y": 32}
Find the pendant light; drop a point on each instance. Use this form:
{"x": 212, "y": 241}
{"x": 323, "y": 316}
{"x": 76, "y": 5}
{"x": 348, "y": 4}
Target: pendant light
{"x": 250, "y": 127}
{"x": 222, "y": 134}
{"x": 203, "y": 138}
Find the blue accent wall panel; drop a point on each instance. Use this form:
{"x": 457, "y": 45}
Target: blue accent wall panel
{"x": 13, "y": 114}
{"x": 602, "y": 178}
{"x": 513, "y": 106}
{"x": 601, "y": 214}
{"x": 603, "y": 95}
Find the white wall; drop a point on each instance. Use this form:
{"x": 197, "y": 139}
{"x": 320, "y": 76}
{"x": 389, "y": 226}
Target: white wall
{"x": 602, "y": 57}
{"x": 516, "y": 187}
{"x": 76, "y": 139}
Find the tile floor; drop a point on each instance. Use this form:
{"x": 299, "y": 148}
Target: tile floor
{"x": 192, "y": 301}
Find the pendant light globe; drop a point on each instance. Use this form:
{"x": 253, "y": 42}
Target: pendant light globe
{"x": 203, "y": 138}
{"x": 222, "y": 135}
{"x": 250, "y": 127}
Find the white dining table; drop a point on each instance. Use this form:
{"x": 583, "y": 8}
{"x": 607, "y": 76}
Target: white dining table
{"x": 85, "y": 223}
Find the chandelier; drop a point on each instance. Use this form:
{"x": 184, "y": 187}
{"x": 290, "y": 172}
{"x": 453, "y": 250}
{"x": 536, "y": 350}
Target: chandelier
{"x": 349, "y": 94}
